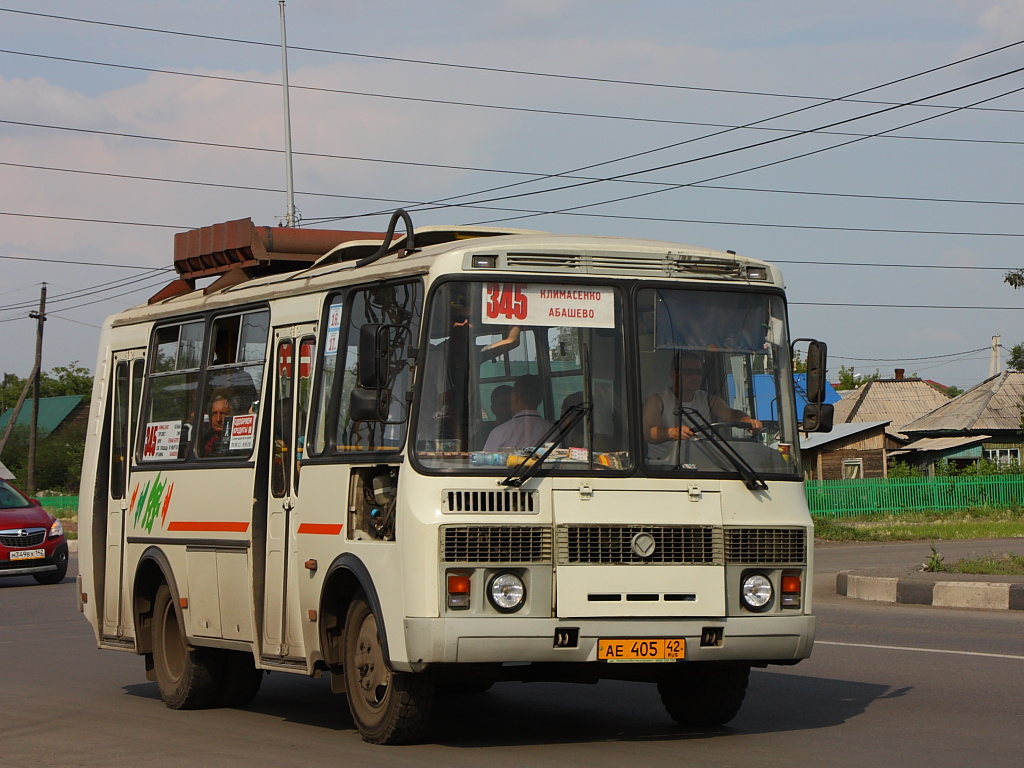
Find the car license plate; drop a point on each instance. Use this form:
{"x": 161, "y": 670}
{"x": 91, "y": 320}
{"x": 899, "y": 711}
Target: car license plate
{"x": 641, "y": 649}
{"x": 28, "y": 554}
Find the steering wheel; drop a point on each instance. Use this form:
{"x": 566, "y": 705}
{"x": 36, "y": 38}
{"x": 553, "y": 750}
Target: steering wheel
{"x": 719, "y": 425}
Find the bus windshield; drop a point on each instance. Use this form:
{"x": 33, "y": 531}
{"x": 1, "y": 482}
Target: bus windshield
{"x": 716, "y": 381}
{"x": 504, "y": 362}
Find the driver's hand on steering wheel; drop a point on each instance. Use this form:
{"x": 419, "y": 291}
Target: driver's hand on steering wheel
{"x": 680, "y": 433}
{"x": 753, "y": 424}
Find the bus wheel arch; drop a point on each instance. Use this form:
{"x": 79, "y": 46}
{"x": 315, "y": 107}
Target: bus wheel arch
{"x": 346, "y": 579}
{"x": 154, "y": 570}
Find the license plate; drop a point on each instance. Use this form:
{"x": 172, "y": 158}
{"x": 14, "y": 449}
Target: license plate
{"x": 28, "y": 554}
{"x": 641, "y": 649}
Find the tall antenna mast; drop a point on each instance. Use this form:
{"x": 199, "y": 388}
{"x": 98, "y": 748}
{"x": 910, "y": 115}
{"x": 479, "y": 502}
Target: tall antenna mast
{"x": 290, "y": 217}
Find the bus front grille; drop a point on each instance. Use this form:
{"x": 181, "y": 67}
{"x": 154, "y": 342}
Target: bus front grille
{"x": 507, "y": 500}
{"x": 495, "y": 544}
{"x": 749, "y": 546}
{"x": 638, "y": 544}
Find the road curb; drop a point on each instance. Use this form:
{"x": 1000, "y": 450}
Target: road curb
{"x": 999, "y": 596}
{"x": 72, "y": 545}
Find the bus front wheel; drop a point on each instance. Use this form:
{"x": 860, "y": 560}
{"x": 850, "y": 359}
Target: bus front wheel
{"x": 188, "y": 678}
{"x": 704, "y": 695}
{"x": 387, "y": 707}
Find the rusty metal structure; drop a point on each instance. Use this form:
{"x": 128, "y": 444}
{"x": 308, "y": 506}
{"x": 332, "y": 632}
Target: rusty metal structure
{"x": 236, "y": 251}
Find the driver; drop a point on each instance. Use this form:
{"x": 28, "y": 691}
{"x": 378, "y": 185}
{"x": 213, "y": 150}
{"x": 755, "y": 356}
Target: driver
{"x": 661, "y": 422}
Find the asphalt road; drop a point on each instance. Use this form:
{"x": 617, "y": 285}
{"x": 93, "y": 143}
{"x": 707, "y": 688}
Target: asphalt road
{"x": 888, "y": 685}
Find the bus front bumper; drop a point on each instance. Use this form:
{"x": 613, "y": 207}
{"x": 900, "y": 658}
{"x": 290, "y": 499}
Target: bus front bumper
{"x": 754, "y": 639}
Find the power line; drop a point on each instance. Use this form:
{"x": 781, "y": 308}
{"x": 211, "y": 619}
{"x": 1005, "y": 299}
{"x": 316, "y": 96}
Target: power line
{"x": 88, "y": 221}
{"x": 720, "y": 133}
{"x": 478, "y": 105}
{"x": 501, "y": 70}
{"x": 76, "y": 263}
{"x": 773, "y": 141}
{"x": 905, "y": 359}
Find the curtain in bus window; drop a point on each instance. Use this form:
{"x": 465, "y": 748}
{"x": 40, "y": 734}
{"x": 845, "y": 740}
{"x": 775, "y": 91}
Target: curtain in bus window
{"x": 734, "y": 322}
{"x": 119, "y": 433}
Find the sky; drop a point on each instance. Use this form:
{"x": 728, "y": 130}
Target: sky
{"x": 872, "y": 150}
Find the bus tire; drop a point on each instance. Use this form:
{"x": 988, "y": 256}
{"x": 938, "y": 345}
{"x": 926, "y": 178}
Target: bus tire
{"x": 387, "y": 707}
{"x": 188, "y": 678}
{"x": 241, "y": 679}
{"x": 704, "y": 695}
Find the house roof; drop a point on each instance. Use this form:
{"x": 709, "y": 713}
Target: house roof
{"x": 5, "y": 473}
{"x": 994, "y": 405}
{"x": 898, "y": 401}
{"x": 52, "y": 413}
{"x": 940, "y": 443}
{"x": 839, "y": 432}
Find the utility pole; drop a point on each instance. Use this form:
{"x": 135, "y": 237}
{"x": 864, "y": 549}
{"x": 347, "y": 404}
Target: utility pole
{"x": 40, "y": 317}
{"x": 290, "y": 217}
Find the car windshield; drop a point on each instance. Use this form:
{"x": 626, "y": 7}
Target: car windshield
{"x": 11, "y": 497}
{"x": 504, "y": 361}
{"x": 717, "y": 383}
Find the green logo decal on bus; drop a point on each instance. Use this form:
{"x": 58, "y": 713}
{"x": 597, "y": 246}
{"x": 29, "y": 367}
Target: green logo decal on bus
{"x": 154, "y": 499}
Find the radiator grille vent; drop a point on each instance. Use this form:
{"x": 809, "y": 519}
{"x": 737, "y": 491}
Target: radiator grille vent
{"x": 661, "y": 264}
{"x": 495, "y": 544}
{"x": 33, "y": 537}
{"x": 522, "y": 502}
{"x": 766, "y": 545}
{"x": 618, "y": 544}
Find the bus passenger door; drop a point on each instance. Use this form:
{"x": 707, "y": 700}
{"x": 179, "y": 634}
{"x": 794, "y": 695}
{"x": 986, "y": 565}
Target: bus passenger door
{"x": 126, "y": 390}
{"x": 293, "y": 357}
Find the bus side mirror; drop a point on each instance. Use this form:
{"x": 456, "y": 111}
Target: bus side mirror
{"x": 374, "y": 355}
{"x": 367, "y": 404}
{"x": 818, "y": 417}
{"x": 816, "y": 371}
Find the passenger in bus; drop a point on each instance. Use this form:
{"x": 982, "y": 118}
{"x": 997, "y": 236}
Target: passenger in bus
{"x": 526, "y": 427}
{"x": 459, "y": 362}
{"x": 663, "y": 425}
{"x": 215, "y": 438}
{"x": 501, "y": 403}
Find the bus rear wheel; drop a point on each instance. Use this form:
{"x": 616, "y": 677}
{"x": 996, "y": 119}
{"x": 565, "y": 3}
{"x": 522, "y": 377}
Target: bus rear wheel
{"x": 188, "y": 678}
{"x": 387, "y": 707}
{"x": 704, "y": 695}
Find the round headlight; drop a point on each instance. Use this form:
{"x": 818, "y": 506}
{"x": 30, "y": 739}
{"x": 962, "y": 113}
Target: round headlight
{"x": 507, "y": 592}
{"x": 757, "y": 592}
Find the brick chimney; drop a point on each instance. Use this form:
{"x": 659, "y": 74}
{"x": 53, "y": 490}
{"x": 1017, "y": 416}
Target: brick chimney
{"x": 899, "y": 373}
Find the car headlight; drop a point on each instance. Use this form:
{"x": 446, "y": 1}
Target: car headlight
{"x": 757, "y": 592}
{"x": 506, "y": 592}
{"x": 56, "y": 529}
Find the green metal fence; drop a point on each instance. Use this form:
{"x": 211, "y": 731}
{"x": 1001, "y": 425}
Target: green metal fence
{"x": 845, "y": 498}
{"x": 61, "y": 506}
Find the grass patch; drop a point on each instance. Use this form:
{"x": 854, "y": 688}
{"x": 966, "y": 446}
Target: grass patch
{"x": 923, "y": 526}
{"x": 991, "y": 565}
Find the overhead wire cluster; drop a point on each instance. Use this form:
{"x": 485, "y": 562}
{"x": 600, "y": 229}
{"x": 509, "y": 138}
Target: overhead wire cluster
{"x": 535, "y": 184}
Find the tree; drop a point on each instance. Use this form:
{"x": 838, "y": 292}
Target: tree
{"x": 847, "y": 379}
{"x": 1016, "y": 361}
{"x": 70, "y": 379}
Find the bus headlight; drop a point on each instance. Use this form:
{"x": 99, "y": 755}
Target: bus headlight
{"x": 506, "y": 592}
{"x": 757, "y": 592}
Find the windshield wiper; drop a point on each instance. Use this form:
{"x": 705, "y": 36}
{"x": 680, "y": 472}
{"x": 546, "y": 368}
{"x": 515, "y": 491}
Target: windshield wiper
{"x": 750, "y": 477}
{"x": 530, "y": 463}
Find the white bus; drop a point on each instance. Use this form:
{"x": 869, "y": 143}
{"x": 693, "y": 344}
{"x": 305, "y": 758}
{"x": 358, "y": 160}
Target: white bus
{"x": 456, "y": 458}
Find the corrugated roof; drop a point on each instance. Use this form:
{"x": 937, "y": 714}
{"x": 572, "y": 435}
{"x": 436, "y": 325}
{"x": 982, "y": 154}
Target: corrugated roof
{"x": 52, "y": 412}
{"x": 996, "y": 404}
{"x": 940, "y": 443}
{"x": 839, "y": 432}
{"x": 899, "y": 401}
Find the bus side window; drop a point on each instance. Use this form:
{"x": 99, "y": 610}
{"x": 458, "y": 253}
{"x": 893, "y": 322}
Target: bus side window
{"x": 173, "y": 386}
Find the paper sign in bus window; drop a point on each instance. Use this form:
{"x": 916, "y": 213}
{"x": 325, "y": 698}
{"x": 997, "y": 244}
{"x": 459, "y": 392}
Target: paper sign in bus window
{"x": 163, "y": 439}
{"x": 243, "y": 429}
{"x": 333, "y": 330}
{"x": 549, "y": 305}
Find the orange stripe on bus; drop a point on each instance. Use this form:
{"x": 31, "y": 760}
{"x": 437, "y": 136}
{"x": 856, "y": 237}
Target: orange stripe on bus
{"x": 326, "y": 529}
{"x": 209, "y": 527}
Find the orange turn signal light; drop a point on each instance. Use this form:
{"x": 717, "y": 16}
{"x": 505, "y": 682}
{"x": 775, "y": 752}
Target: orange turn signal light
{"x": 458, "y": 584}
{"x": 790, "y": 584}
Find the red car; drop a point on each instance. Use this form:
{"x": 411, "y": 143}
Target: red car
{"x": 32, "y": 540}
